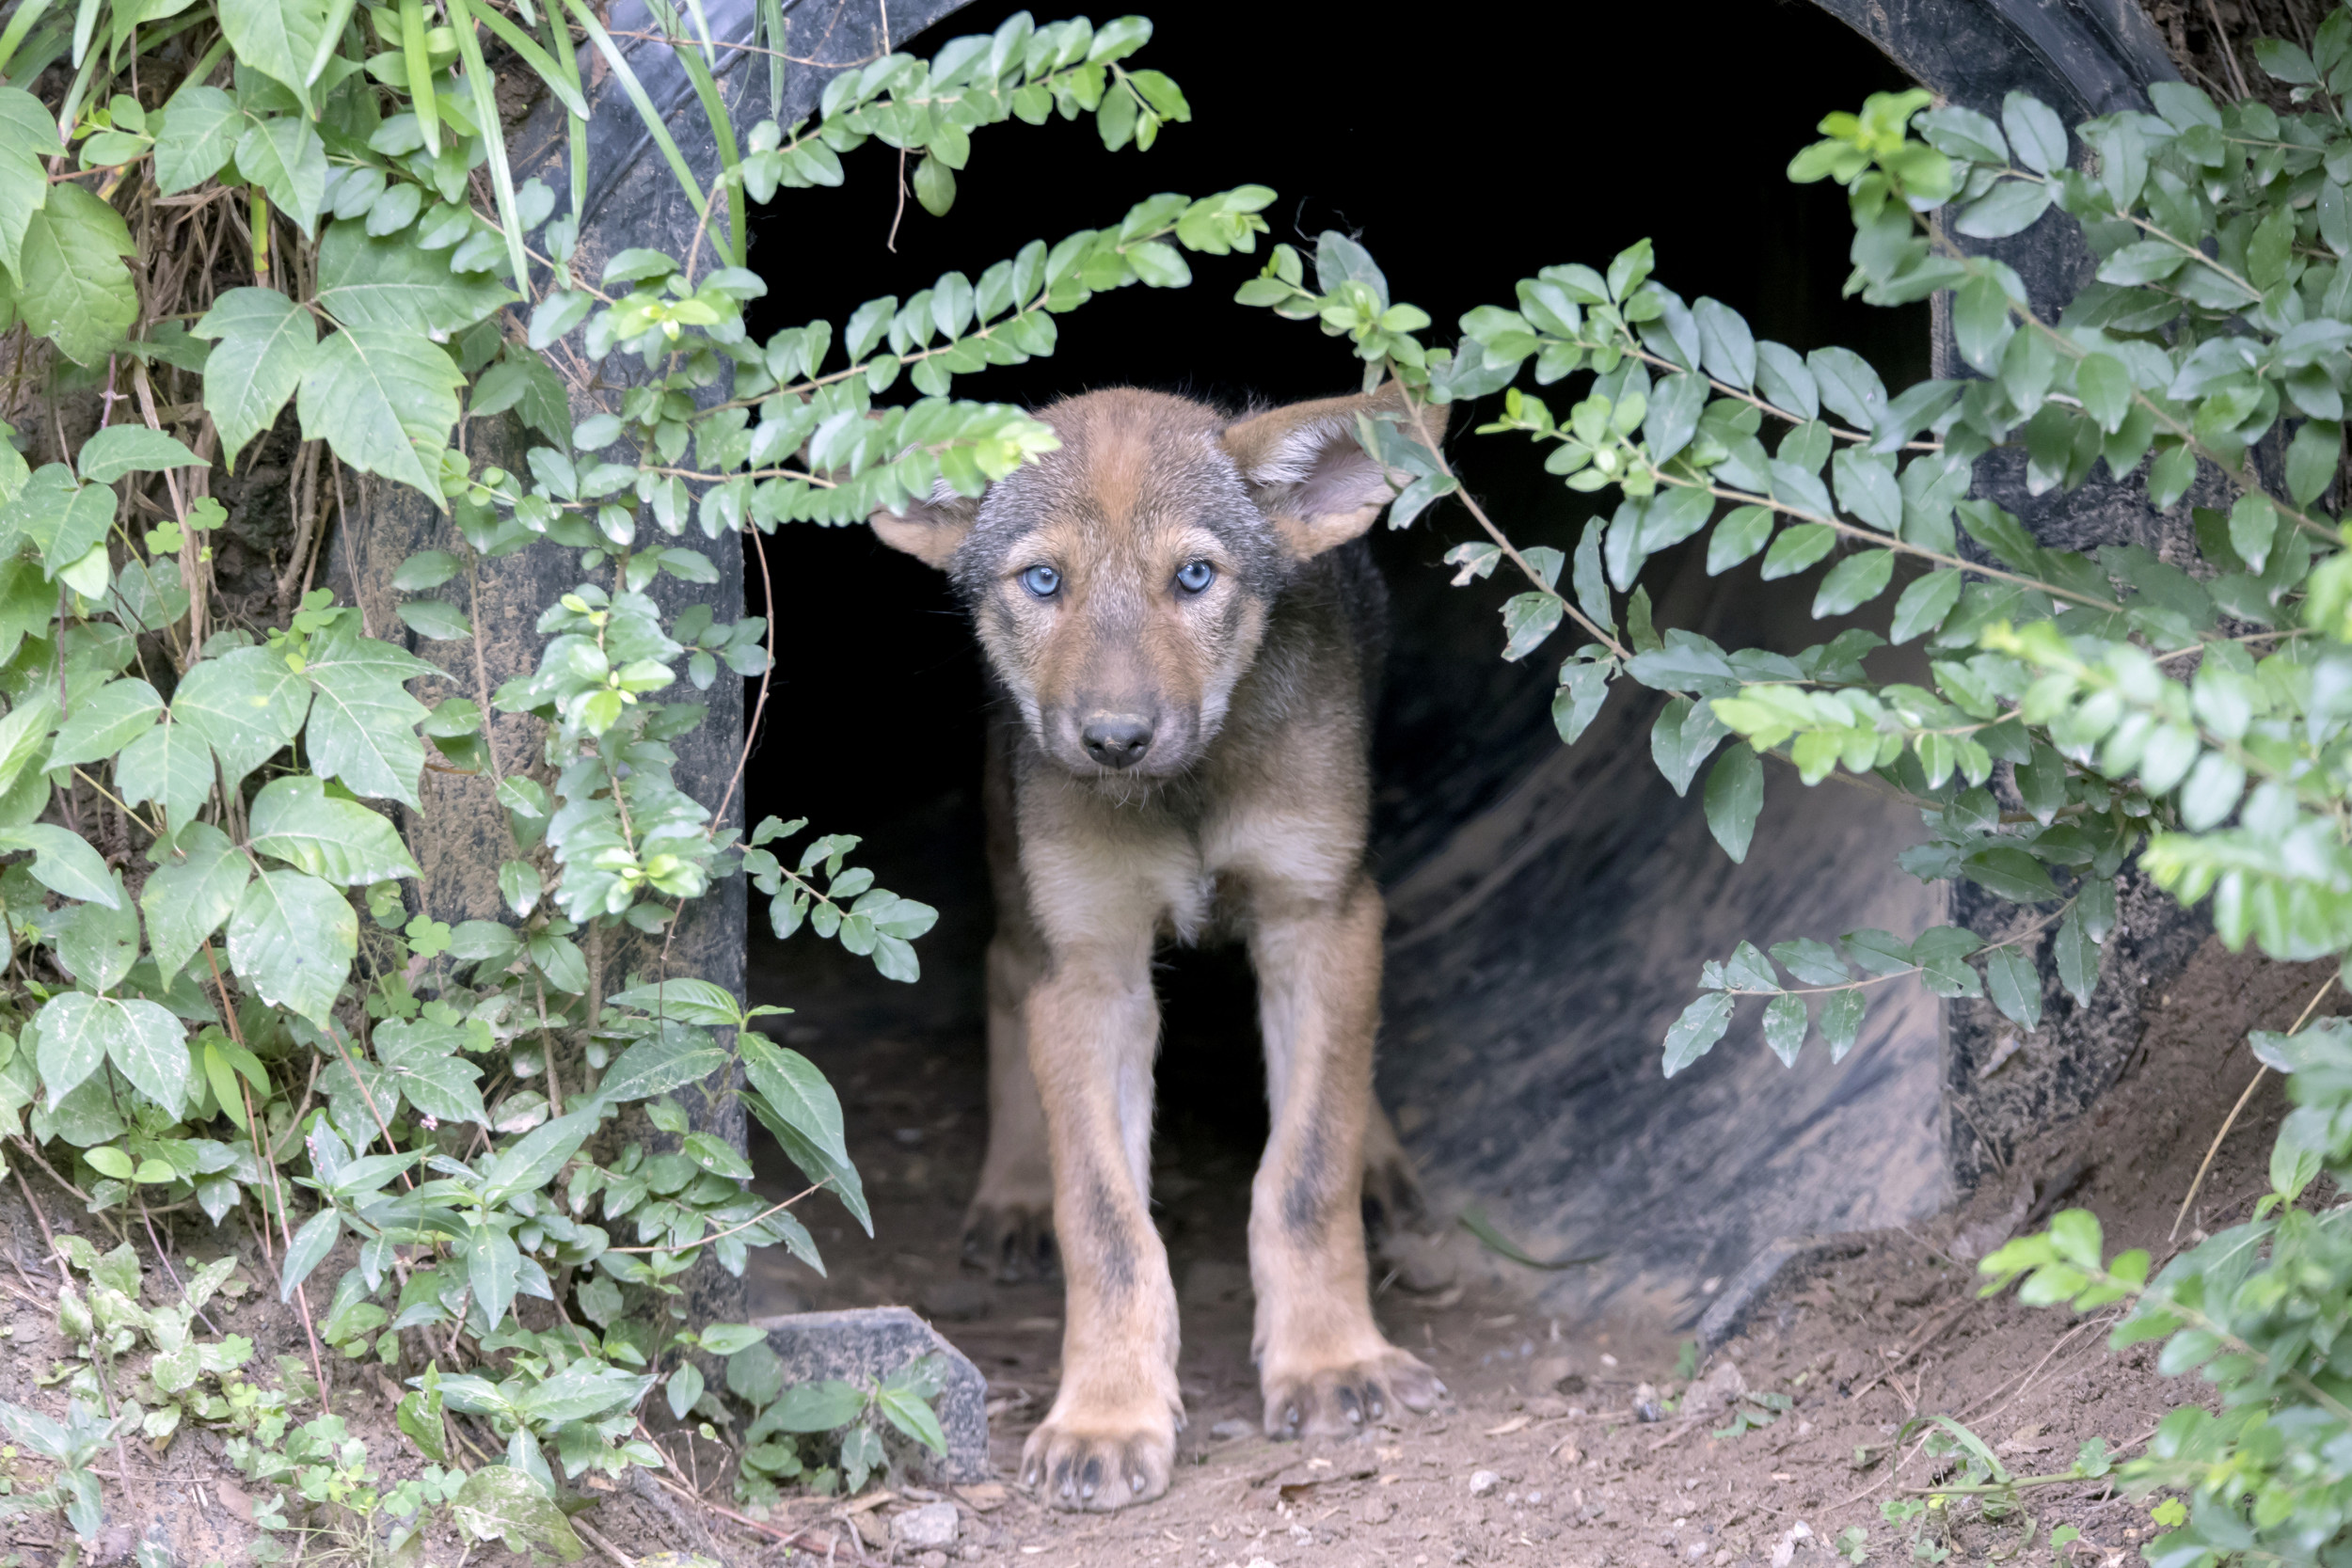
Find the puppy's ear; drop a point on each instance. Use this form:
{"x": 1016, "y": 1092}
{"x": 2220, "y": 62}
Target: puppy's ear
{"x": 930, "y": 531}
{"x": 1311, "y": 477}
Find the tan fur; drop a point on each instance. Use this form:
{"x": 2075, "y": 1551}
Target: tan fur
{"x": 1246, "y": 814}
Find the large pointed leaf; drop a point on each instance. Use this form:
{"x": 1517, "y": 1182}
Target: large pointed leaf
{"x": 284, "y": 156}
{"x": 363, "y": 725}
{"x": 534, "y": 1158}
{"x": 791, "y": 1084}
{"x": 292, "y": 938}
{"x": 384, "y": 399}
{"x": 187, "y": 897}
{"x": 265, "y": 344}
{"x": 424, "y": 1061}
{"x": 99, "y": 944}
{"x": 62, "y": 517}
{"x": 311, "y": 1243}
{"x": 198, "y": 132}
{"x": 150, "y": 1047}
{"x": 130, "y": 448}
{"x": 294, "y": 820}
{"x": 276, "y": 37}
{"x": 64, "y": 861}
{"x": 72, "y": 1043}
{"x": 392, "y": 283}
{"x": 23, "y": 733}
{"x": 170, "y": 765}
{"x": 23, "y": 191}
{"x": 246, "y": 705}
{"x": 493, "y": 1267}
{"x": 72, "y": 285}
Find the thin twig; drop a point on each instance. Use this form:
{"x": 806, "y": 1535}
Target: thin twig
{"x": 2231, "y": 1121}
{"x": 2229, "y": 51}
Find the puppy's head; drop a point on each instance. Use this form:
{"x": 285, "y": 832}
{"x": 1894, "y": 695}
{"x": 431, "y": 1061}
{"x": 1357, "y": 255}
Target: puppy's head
{"x": 1120, "y": 583}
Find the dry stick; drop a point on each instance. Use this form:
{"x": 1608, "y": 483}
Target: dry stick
{"x": 164, "y": 1259}
{"x": 1919, "y": 1343}
{"x": 2231, "y": 1121}
{"x": 269, "y": 1161}
{"x": 2229, "y": 52}
{"x": 798, "y": 1540}
{"x": 582, "y": 1528}
{"x": 350, "y": 1066}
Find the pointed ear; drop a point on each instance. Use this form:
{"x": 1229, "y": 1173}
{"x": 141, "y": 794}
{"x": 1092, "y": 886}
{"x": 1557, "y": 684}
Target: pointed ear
{"x": 1309, "y": 473}
{"x": 930, "y": 531}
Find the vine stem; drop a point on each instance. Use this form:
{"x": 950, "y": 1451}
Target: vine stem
{"x": 1421, "y": 428}
{"x": 2231, "y": 1121}
{"x": 722, "y": 1235}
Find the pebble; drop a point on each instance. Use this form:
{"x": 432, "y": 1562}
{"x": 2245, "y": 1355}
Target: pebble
{"x": 1230, "y": 1428}
{"x": 1375, "y": 1510}
{"x": 955, "y": 1300}
{"x": 932, "y": 1525}
{"x": 1484, "y": 1482}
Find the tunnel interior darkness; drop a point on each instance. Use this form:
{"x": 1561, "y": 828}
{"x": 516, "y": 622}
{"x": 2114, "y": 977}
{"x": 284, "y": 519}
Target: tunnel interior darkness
{"x": 1549, "y": 906}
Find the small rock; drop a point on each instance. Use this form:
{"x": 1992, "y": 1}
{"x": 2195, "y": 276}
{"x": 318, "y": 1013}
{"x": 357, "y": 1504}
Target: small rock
{"x": 1484, "y": 1482}
{"x": 1720, "y": 1389}
{"x": 1545, "y": 1407}
{"x": 932, "y": 1525}
{"x": 955, "y": 1300}
{"x": 871, "y": 1531}
{"x": 985, "y": 1496}
{"x": 933, "y": 1560}
{"x": 1375, "y": 1510}
{"x": 1231, "y": 1428}
{"x": 1554, "y": 1372}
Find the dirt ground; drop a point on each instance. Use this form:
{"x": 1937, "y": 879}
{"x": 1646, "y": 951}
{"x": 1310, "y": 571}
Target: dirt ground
{"x": 1544, "y": 1454}
{"x": 1564, "y": 1442}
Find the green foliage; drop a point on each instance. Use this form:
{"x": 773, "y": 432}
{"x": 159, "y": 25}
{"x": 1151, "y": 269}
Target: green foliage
{"x": 2083, "y": 711}
{"x": 222, "y": 993}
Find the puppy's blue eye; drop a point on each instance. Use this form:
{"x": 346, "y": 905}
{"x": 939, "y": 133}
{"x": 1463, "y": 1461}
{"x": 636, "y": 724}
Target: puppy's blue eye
{"x": 1041, "y": 580}
{"x": 1195, "y": 575}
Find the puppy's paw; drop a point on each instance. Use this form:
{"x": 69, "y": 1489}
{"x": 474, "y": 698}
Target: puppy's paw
{"x": 1094, "y": 1463}
{"x": 1011, "y": 1237}
{"x": 1346, "y": 1396}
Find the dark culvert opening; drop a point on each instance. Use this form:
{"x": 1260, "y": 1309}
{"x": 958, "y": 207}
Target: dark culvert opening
{"x": 1550, "y": 909}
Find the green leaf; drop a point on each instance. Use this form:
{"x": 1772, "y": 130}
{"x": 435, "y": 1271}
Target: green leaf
{"x": 72, "y": 285}
{"x": 2254, "y": 523}
{"x": 292, "y": 938}
{"x": 684, "y": 1387}
{"x": 1735, "y": 796}
{"x": 129, "y": 449}
{"x": 434, "y": 619}
{"x": 265, "y": 344}
{"x": 61, "y": 517}
{"x": 99, "y": 944}
{"x": 1981, "y": 324}
{"x": 2011, "y": 873}
{"x": 2015, "y": 987}
{"x": 363, "y": 724}
{"x": 170, "y": 765}
{"x": 534, "y": 1159}
{"x": 1841, "y": 1021}
{"x": 425, "y": 1065}
{"x": 503, "y": 1503}
{"x": 73, "y": 1041}
{"x": 195, "y": 137}
{"x": 796, "y": 1091}
{"x": 1855, "y": 581}
{"x": 189, "y": 895}
{"x": 297, "y": 821}
{"x": 727, "y": 1338}
{"x": 392, "y": 284}
{"x": 1682, "y": 738}
{"x": 21, "y": 733}
{"x": 150, "y": 1047}
{"x": 1739, "y": 535}
{"x": 426, "y": 569}
{"x": 308, "y": 1249}
{"x": 284, "y": 156}
{"x": 1785, "y": 1023}
{"x": 1924, "y": 603}
{"x": 662, "y": 1063}
{"x": 246, "y": 705}
{"x": 1695, "y": 1034}
{"x": 63, "y": 862}
{"x": 384, "y": 399}
{"x": 2036, "y": 134}
{"x": 2105, "y": 387}
{"x": 276, "y": 37}
{"x": 908, "y": 1412}
{"x": 2077, "y": 956}
{"x": 2311, "y": 459}
{"x": 686, "y": 1000}
{"x": 824, "y": 1406}
{"x": 1798, "y": 547}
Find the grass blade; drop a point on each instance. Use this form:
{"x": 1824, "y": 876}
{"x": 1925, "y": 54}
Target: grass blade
{"x": 419, "y": 62}
{"x": 566, "y": 57}
{"x": 85, "y": 24}
{"x": 566, "y": 92}
{"x": 485, "y": 107}
{"x": 1475, "y": 1222}
{"x": 338, "y": 18}
{"x": 779, "y": 29}
{"x": 20, "y": 25}
{"x": 637, "y": 95}
{"x": 722, "y": 135}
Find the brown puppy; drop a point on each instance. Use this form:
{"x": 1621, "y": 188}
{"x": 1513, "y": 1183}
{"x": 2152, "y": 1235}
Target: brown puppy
{"x": 1186, "y": 625}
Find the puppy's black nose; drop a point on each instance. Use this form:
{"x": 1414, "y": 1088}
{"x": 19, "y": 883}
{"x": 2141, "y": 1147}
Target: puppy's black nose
{"x": 1117, "y": 739}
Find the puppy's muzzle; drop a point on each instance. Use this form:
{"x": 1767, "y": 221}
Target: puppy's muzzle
{"x": 1117, "y": 739}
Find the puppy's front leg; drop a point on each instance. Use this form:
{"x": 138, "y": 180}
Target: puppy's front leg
{"x": 1111, "y": 1438}
{"x": 1322, "y": 1362}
